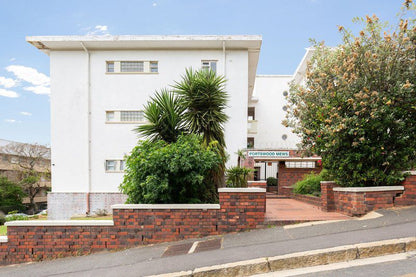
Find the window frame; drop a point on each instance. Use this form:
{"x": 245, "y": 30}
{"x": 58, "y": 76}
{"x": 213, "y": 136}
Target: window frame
{"x": 209, "y": 67}
{"x": 147, "y": 68}
{"x": 117, "y": 166}
{"x": 117, "y": 117}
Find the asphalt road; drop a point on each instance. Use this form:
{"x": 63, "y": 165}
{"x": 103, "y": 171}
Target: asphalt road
{"x": 147, "y": 260}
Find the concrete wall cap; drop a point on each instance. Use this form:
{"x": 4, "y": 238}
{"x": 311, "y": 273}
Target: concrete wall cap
{"x": 411, "y": 172}
{"x": 3, "y": 239}
{"x": 60, "y": 223}
{"x": 241, "y": 190}
{"x": 369, "y": 189}
{"x": 166, "y": 206}
{"x": 250, "y": 182}
{"x": 327, "y": 182}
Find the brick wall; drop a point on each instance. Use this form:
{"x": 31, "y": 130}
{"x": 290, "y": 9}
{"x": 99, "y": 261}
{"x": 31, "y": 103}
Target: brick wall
{"x": 313, "y": 200}
{"x": 132, "y": 225}
{"x": 327, "y": 196}
{"x": 409, "y": 195}
{"x": 289, "y": 176}
{"x": 257, "y": 184}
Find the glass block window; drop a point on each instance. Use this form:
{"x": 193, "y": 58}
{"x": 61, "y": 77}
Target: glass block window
{"x": 122, "y": 165}
{"x": 154, "y": 67}
{"x": 131, "y": 116}
{"x": 131, "y": 66}
{"x": 110, "y": 66}
{"x": 300, "y": 164}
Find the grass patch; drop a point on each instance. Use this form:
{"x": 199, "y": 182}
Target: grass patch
{"x": 3, "y": 230}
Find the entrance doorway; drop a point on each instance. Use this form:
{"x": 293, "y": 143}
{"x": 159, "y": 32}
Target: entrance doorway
{"x": 264, "y": 170}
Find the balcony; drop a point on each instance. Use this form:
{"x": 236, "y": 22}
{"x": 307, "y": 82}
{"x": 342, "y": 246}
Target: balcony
{"x": 252, "y": 126}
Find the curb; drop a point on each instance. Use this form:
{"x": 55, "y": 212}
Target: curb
{"x": 303, "y": 259}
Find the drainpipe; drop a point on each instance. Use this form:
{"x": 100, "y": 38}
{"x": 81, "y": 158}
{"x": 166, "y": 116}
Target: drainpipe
{"x": 224, "y": 57}
{"x": 88, "y": 125}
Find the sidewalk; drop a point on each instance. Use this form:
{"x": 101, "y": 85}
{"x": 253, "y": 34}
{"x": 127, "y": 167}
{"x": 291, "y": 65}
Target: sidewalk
{"x": 268, "y": 242}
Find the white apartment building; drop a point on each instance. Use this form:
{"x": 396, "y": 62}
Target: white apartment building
{"x": 99, "y": 85}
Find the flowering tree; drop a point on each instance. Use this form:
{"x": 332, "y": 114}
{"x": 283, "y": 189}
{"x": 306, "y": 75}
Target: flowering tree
{"x": 357, "y": 106}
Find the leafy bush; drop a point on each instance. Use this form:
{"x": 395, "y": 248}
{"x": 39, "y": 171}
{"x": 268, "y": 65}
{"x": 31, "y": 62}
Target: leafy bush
{"x": 237, "y": 176}
{"x": 310, "y": 184}
{"x": 356, "y": 107}
{"x": 271, "y": 181}
{"x": 11, "y": 196}
{"x": 158, "y": 172}
{"x": 2, "y": 219}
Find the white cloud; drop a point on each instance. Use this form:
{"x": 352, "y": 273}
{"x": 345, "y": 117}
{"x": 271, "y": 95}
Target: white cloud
{"x": 98, "y": 30}
{"x": 38, "y": 89}
{"x": 154, "y": 4}
{"x": 7, "y": 82}
{"x": 29, "y": 74}
{"x": 8, "y": 93}
{"x": 26, "y": 113}
{"x": 10, "y": 120}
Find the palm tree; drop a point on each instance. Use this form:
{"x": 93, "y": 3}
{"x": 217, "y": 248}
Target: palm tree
{"x": 203, "y": 94}
{"x": 164, "y": 114}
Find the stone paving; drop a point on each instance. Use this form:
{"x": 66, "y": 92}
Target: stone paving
{"x": 285, "y": 210}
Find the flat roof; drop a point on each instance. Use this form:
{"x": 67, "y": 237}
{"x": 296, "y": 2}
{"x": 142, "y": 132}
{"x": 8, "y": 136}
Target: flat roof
{"x": 47, "y": 43}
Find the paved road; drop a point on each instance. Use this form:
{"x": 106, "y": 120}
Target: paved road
{"x": 236, "y": 247}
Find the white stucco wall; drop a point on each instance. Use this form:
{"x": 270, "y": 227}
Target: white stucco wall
{"x": 269, "y": 113}
{"x": 124, "y": 92}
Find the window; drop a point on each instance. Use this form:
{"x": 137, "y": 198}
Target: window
{"x": 250, "y": 142}
{"x": 300, "y": 164}
{"x": 131, "y": 67}
{"x": 154, "y": 67}
{"x": 110, "y": 66}
{"x": 14, "y": 160}
{"x": 125, "y": 116}
{"x": 207, "y": 65}
{"x": 131, "y": 116}
{"x": 110, "y": 165}
{"x": 251, "y": 113}
{"x": 114, "y": 165}
{"x": 110, "y": 116}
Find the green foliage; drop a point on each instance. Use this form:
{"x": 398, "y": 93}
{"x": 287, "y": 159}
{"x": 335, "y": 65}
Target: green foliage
{"x": 203, "y": 95}
{"x": 237, "y": 176}
{"x": 14, "y": 216}
{"x": 158, "y": 172}
{"x": 11, "y": 196}
{"x": 310, "y": 184}
{"x": 271, "y": 181}
{"x": 2, "y": 220}
{"x": 357, "y": 108}
{"x": 165, "y": 116}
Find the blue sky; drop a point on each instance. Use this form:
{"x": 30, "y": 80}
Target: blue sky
{"x": 286, "y": 27}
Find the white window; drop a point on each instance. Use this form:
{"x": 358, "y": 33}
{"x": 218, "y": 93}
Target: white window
{"x": 114, "y": 165}
{"x": 209, "y": 65}
{"x": 154, "y": 67}
{"x": 110, "y": 116}
{"x": 132, "y": 66}
{"x": 110, "y": 66}
{"x": 125, "y": 117}
{"x": 300, "y": 164}
{"x": 14, "y": 160}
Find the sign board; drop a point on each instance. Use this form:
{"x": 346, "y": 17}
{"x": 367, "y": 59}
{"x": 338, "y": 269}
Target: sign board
{"x": 268, "y": 154}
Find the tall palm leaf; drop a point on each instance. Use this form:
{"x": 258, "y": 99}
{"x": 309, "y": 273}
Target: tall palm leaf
{"x": 164, "y": 114}
{"x": 203, "y": 94}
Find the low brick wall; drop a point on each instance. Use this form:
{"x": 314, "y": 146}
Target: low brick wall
{"x": 289, "y": 176}
{"x": 361, "y": 200}
{"x": 313, "y": 200}
{"x": 132, "y": 225}
{"x": 357, "y": 201}
{"x": 257, "y": 184}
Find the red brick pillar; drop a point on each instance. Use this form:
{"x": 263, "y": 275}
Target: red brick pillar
{"x": 327, "y": 196}
{"x": 409, "y": 195}
{"x": 241, "y": 209}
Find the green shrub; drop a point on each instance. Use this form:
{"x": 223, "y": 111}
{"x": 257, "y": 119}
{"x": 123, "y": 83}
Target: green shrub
{"x": 2, "y": 219}
{"x": 158, "y": 172}
{"x": 11, "y": 196}
{"x": 311, "y": 184}
{"x": 271, "y": 182}
{"x": 237, "y": 176}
